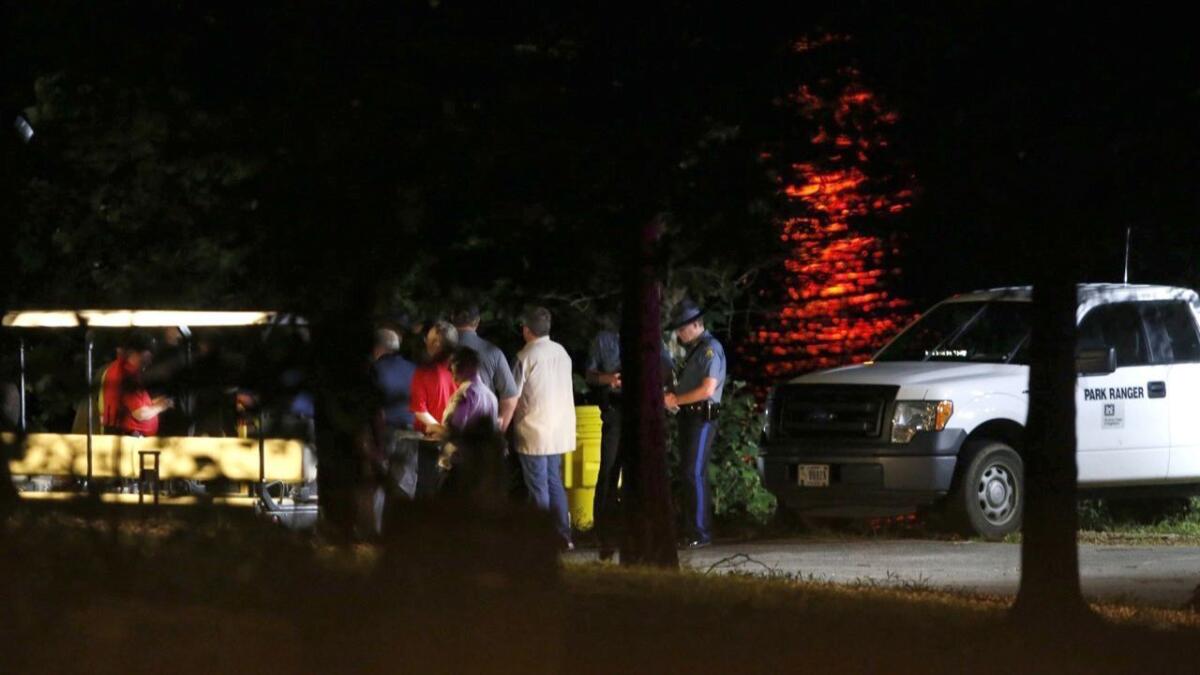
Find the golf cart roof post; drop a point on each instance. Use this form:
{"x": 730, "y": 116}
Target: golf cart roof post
{"x": 141, "y": 318}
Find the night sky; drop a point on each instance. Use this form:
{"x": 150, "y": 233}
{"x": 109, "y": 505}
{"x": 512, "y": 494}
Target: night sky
{"x": 1035, "y": 137}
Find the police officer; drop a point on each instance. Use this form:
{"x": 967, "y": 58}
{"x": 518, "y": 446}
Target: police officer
{"x": 603, "y": 374}
{"x": 700, "y": 380}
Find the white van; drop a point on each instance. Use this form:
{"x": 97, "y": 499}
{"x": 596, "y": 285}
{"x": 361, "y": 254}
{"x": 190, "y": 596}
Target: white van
{"x": 937, "y": 417}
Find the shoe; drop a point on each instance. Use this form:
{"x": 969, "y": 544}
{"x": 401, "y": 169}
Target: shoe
{"x": 695, "y": 544}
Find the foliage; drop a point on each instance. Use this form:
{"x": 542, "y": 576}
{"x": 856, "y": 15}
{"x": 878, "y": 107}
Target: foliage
{"x": 737, "y": 489}
{"x": 135, "y": 194}
{"x": 736, "y": 484}
{"x": 1145, "y": 516}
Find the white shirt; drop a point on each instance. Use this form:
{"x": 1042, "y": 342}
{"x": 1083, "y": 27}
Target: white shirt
{"x": 544, "y": 421}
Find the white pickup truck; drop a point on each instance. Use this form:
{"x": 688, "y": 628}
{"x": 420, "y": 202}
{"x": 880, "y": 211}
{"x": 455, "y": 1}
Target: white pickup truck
{"x": 937, "y": 417}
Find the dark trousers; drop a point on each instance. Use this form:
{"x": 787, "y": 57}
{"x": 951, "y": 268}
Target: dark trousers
{"x": 606, "y": 512}
{"x": 696, "y": 436}
{"x": 429, "y": 477}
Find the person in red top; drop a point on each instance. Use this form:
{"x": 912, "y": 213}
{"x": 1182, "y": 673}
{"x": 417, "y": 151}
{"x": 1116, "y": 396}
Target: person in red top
{"x": 432, "y": 383}
{"x": 128, "y": 408}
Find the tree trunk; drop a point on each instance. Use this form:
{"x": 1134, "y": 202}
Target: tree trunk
{"x": 1049, "y": 552}
{"x": 649, "y": 536}
{"x": 341, "y": 342}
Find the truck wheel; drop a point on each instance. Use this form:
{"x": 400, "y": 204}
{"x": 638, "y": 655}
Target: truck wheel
{"x": 989, "y": 497}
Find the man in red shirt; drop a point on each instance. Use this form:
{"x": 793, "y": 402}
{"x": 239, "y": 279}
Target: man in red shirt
{"x": 432, "y": 387}
{"x": 128, "y": 408}
{"x": 433, "y": 384}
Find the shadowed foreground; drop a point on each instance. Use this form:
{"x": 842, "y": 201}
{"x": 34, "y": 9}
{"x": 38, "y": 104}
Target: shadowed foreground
{"x": 86, "y": 594}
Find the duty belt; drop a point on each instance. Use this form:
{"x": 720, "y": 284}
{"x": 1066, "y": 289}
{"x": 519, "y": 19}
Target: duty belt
{"x": 707, "y": 409}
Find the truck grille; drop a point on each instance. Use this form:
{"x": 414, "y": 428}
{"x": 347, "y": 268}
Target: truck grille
{"x": 841, "y": 411}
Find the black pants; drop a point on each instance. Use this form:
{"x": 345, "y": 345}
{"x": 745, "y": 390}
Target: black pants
{"x": 606, "y": 511}
{"x": 696, "y": 436}
{"x": 429, "y": 477}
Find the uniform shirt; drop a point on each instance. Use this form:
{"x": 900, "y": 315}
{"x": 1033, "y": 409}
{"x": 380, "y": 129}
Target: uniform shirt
{"x": 394, "y": 377}
{"x": 705, "y": 358}
{"x": 493, "y": 367}
{"x": 544, "y": 421}
{"x": 432, "y": 387}
{"x": 604, "y": 355}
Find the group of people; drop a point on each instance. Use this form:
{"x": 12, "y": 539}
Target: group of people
{"x": 466, "y": 385}
{"x": 466, "y": 388}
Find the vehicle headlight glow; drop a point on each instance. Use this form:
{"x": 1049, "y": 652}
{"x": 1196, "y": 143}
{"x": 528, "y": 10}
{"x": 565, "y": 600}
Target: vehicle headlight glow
{"x": 766, "y": 417}
{"x": 913, "y": 416}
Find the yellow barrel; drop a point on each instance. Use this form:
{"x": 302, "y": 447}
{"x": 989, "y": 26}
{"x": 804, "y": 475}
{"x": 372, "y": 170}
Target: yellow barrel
{"x": 579, "y": 502}
{"x": 581, "y": 467}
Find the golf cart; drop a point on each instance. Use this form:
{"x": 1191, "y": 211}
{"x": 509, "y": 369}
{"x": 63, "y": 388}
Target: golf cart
{"x": 252, "y": 451}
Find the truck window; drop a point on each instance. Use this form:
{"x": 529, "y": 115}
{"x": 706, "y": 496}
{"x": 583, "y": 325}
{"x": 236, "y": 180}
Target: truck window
{"x": 977, "y": 332}
{"x": 1171, "y": 329}
{"x": 1117, "y": 325}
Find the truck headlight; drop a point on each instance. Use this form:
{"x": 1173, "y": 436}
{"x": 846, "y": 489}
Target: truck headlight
{"x": 914, "y": 416}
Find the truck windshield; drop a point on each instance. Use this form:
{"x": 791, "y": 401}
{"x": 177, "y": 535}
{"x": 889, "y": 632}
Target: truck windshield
{"x": 977, "y": 332}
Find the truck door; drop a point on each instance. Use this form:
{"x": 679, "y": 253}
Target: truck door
{"x": 1174, "y": 341}
{"x": 1122, "y": 418}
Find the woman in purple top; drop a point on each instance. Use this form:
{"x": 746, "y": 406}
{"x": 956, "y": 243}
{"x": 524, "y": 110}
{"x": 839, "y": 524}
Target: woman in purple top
{"x": 472, "y": 410}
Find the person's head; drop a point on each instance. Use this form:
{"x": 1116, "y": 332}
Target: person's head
{"x": 440, "y": 340}
{"x": 688, "y": 332}
{"x": 465, "y": 316}
{"x": 387, "y": 341}
{"x": 137, "y": 348}
{"x": 535, "y": 323}
{"x": 687, "y": 320}
{"x": 464, "y": 364}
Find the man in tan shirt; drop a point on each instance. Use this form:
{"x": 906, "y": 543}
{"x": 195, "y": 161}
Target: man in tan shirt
{"x": 544, "y": 421}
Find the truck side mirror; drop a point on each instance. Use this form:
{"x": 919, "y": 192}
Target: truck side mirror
{"x": 1096, "y": 361}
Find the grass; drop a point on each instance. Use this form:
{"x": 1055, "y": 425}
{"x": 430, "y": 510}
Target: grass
{"x": 480, "y": 593}
{"x": 1102, "y": 524}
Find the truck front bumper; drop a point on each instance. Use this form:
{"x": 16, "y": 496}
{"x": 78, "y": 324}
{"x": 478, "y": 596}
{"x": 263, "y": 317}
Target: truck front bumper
{"x": 864, "y": 479}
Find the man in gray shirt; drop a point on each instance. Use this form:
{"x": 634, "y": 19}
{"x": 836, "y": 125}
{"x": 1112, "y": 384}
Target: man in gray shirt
{"x": 493, "y": 367}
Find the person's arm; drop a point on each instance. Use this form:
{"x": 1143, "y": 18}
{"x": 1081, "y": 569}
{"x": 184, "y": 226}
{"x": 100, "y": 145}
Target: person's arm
{"x": 508, "y": 407}
{"x": 518, "y": 373}
{"x": 153, "y": 409}
{"x": 714, "y": 370}
{"x": 418, "y": 402}
{"x": 600, "y": 379}
{"x": 505, "y": 387}
{"x": 707, "y": 388}
{"x": 458, "y": 412}
{"x": 427, "y": 421}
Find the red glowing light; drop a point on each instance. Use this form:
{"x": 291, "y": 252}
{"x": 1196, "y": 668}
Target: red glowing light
{"x": 836, "y": 307}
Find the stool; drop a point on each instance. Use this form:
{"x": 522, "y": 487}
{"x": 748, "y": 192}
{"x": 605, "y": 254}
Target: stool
{"x": 147, "y": 474}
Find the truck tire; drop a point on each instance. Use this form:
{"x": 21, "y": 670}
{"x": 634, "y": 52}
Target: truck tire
{"x": 988, "y": 497}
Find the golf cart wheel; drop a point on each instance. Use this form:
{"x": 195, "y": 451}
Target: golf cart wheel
{"x": 989, "y": 497}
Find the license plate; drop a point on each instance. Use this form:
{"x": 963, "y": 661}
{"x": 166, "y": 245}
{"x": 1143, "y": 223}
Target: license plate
{"x": 812, "y": 475}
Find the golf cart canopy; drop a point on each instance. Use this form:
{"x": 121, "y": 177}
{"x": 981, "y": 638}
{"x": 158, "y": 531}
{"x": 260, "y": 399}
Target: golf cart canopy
{"x": 141, "y": 318}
